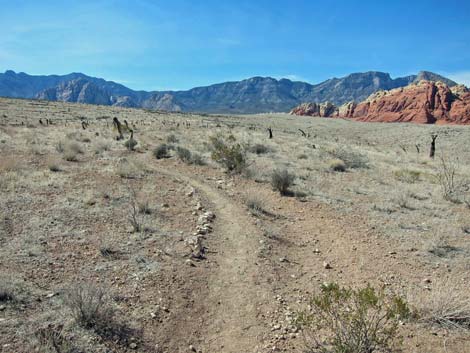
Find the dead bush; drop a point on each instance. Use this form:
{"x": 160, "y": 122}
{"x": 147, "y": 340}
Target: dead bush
{"x": 445, "y": 305}
{"x": 52, "y": 339}
{"x": 452, "y": 185}
{"x": 91, "y": 308}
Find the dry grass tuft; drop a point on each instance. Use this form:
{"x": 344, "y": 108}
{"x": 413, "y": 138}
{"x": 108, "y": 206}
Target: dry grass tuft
{"x": 282, "y": 180}
{"x": 337, "y": 165}
{"x": 445, "y": 305}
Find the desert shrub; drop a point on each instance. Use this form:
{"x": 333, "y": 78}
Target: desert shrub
{"x": 172, "y": 139}
{"x": 7, "y": 291}
{"x": 197, "y": 159}
{"x": 259, "y": 149}
{"x": 144, "y": 207}
{"x": 452, "y": 184}
{"x": 281, "y": 180}
{"x": 70, "y": 150}
{"x": 445, "y": 306}
{"x": 337, "y": 165}
{"x": 52, "y": 339}
{"x": 91, "y": 308}
{"x": 255, "y": 205}
{"x": 228, "y": 153}
{"x": 161, "y": 151}
{"x": 344, "y": 320}
{"x": 135, "y": 216}
{"x": 59, "y": 147}
{"x": 407, "y": 175}
{"x": 438, "y": 245}
{"x": 53, "y": 166}
{"x": 74, "y": 147}
{"x": 184, "y": 154}
{"x": 350, "y": 158}
{"x": 128, "y": 169}
{"x": 100, "y": 146}
{"x": 70, "y": 156}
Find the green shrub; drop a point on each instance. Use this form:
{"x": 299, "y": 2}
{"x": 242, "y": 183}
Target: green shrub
{"x": 344, "y": 320}
{"x": 228, "y": 153}
{"x": 281, "y": 180}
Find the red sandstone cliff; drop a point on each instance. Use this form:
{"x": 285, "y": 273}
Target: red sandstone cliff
{"x": 425, "y": 102}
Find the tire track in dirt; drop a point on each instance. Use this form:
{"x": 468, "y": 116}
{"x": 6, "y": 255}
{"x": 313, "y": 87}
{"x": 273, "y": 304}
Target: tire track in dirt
{"x": 237, "y": 292}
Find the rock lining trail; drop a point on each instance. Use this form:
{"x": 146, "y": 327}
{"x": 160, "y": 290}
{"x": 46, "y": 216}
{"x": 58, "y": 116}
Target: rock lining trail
{"x": 235, "y": 295}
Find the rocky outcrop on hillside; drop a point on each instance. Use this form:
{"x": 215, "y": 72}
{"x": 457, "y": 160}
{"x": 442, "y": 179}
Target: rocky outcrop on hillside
{"x": 78, "y": 90}
{"x": 425, "y": 102}
{"x": 315, "y": 109}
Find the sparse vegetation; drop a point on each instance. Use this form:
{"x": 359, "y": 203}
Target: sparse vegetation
{"x": 282, "y": 180}
{"x": 54, "y": 166}
{"x": 52, "y": 339}
{"x": 135, "y": 216}
{"x": 171, "y": 139}
{"x": 256, "y": 206}
{"x": 351, "y": 158}
{"x": 449, "y": 179}
{"x": 259, "y": 149}
{"x": 407, "y": 175}
{"x": 348, "y": 320}
{"x": 444, "y": 306}
{"x": 7, "y": 292}
{"x": 92, "y": 309}
{"x": 184, "y": 154}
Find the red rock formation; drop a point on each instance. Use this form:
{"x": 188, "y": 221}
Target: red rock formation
{"x": 426, "y": 103}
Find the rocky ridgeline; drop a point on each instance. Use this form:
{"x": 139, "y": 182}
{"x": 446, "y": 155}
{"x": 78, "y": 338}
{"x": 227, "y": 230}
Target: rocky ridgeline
{"x": 425, "y": 102}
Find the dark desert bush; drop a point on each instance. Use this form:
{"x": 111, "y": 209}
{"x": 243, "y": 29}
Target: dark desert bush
{"x": 259, "y": 149}
{"x": 161, "y": 151}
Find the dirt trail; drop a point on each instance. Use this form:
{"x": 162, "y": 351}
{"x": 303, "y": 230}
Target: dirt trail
{"x": 235, "y": 295}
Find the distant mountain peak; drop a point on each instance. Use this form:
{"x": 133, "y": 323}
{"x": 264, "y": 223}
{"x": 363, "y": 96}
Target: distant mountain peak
{"x": 252, "y": 95}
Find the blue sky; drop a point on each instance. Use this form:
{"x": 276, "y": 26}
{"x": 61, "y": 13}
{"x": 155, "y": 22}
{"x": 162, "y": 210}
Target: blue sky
{"x": 177, "y": 44}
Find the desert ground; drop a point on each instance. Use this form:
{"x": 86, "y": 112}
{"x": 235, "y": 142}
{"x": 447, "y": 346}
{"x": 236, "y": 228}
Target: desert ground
{"x": 191, "y": 258}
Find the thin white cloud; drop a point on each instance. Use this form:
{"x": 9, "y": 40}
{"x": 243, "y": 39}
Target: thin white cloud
{"x": 292, "y": 77}
{"x": 460, "y": 77}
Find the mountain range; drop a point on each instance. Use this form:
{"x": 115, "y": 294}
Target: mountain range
{"x": 253, "y": 95}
